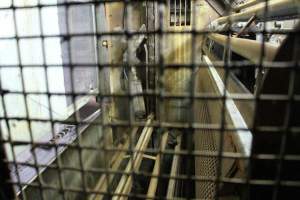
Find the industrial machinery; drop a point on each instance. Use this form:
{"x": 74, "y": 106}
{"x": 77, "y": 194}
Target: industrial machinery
{"x": 150, "y": 99}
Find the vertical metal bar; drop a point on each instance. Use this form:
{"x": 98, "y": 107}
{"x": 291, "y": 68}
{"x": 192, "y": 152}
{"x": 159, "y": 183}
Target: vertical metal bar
{"x": 72, "y": 66}
{"x": 6, "y": 188}
{"x": 10, "y": 141}
{"x": 129, "y": 29}
{"x": 257, "y": 94}
{"x": 287, "y": 123}
{"x": 185, "y": 7}
{"x": 175, "y": 8}
{"x": 60, "y": 177}
{"x": 157, "y": 166}
{"x": 222, "y": 130}
{"x": 103, "y": 104}
{"x": 180, "y": 13}
{"x": 20, "y": 64}
{"x": 160, "y": 72}
{"x": 171, "y": 191}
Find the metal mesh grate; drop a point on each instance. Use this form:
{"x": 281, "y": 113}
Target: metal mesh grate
{"x": 207, "y": 166}
{"x": 119, "y": 99}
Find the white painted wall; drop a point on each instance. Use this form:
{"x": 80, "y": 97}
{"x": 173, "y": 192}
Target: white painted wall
{"x": 28, "y": 24}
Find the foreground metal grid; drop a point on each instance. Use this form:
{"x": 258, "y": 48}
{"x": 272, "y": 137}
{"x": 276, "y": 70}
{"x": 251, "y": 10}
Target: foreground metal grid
{"x": 264, "y": 172}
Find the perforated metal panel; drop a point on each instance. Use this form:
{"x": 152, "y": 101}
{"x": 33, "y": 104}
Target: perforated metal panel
{"x": 206, "y": 166}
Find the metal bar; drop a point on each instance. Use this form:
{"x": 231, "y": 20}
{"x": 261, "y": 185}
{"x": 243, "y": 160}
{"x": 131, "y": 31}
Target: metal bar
{"x": 144, "y": 156}
{"x": 185, "y": 7}
{"x": 156, "y": 169}
{"x": 149, "y": 157}
{"x": 180, "y": 12}
{"x": 115, "y": 162}
{"x": 126, "y": 182}
{"x": 6, "y": 189}
{"x": 253, "y": 50}
{"x": 174, "y": 171}
{"x": 136, "y": 164}
{"x": 175, "y": 10}
{"x": 276, "y": 8}
{"x": 249, "y": 23}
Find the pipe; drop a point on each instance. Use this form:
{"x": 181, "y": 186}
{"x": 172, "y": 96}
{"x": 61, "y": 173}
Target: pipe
{"x": 276, "y": 8}
{"x": 250, "y": 49}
